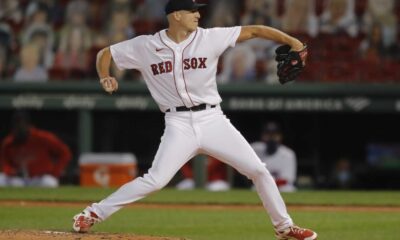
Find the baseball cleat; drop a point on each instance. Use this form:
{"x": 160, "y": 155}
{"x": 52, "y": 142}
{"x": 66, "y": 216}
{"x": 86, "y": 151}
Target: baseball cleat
{"x": 84, "y": 221}
{"x": 295, "y": 233}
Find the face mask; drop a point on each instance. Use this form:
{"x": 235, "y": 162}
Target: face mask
{"x": 272, "y": 147}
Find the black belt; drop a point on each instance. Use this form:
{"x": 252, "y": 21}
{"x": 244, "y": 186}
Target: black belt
{"x": 200, "y": 107}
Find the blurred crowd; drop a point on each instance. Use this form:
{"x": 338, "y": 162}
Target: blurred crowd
{"x": 349, "y": 40}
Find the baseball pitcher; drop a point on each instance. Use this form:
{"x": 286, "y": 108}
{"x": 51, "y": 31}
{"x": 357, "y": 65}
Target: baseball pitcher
{"x": 179, "y": 66}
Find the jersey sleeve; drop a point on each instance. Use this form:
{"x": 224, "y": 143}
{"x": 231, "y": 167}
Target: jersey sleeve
{"x": 126, "y": 54}
{"x": 222, "y": 38}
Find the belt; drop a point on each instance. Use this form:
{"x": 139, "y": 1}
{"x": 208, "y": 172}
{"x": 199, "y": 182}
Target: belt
{"x": 200, "y": 107}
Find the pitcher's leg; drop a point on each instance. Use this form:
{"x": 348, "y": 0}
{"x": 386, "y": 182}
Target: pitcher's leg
{"x": 224, "y": 142}
{"x": 176, "y": 148}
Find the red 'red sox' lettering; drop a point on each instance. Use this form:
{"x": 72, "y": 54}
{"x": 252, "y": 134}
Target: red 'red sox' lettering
{"x": 162, "y": 67}
{"x": 188, "y": 63}
{"x": 194, "y": 63}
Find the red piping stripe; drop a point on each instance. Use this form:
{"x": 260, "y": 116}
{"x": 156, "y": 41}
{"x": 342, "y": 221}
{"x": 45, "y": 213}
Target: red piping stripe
{"x": 183, "y": 73}
{"x": 173, "y": 68}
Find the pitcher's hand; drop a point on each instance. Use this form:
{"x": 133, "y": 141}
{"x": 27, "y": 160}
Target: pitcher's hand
{"x": 109, "y": 84}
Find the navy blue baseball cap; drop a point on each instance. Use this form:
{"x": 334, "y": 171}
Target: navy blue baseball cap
{"x": 177, "y": 5}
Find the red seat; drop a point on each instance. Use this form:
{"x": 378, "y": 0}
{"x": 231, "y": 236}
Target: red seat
{"x": 312, "y": 72}
{"x": 384, "y": 71}
{"x": 57, "y": 74}
{"x": 360, "y": 7}
{"x": 341, "y": 47}
{"x": 280, "y": 8}
{"x": 397, "y": 10}
{"x": 261, "y": 68}
{"x": 341, "y": 72}
{"x": 60, "y": 74}
{"x": 371, "y": 71}
{"x": 77, "y": 74}
{"x": 142, "y": 26}
{"x": 92, "y": 61}
{"x": 319, "y": 7}
{"x": 391, "y": 71}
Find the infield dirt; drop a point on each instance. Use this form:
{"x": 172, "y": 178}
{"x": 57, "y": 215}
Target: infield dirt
{"x": 52, "y": 235}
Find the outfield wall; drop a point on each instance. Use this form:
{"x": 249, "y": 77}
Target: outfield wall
{"x": 322, "y": 122}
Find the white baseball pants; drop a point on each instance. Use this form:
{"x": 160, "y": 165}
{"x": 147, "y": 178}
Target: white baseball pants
{"x": 187, "y": 134}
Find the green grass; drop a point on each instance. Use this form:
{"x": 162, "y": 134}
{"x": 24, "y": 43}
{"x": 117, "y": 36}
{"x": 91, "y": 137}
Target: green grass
{"x": 209, "y": 224}
{"x": 360, "y": 198}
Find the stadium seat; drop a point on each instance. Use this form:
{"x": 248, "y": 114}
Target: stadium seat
{"x": 340, "y": 72}
{"x": 57, "y": 74}
{"x": 384, "y": 71}
{"x": 280, "y": 7}
{"x": 312, "y": 72}
{"x": 341, "y": 47}
{"x": 319, "y": 7}
{"x": 360, "y": 7}
{"x": 261, "y": 68}
{"x": 77, "y": 74}
{"x": 143, "y": 26}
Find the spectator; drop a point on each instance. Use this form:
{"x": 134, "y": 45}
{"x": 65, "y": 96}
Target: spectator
{"x": 216, "y": 176}
{"x": 30, "y": 70}
{"x": 11, "y": 12}
{"x": 342, "y": 175}
{"x": 381, "y": 13}
{"x": 32, "y": 157}
{"x": 42, "y": 37}
{"x": 338, "y": 17}
{"x": 373, "y": 49}
{"x": 55, "y": 11}
{"x": 75, "y": 40}
{"x": 120, "y": 30}
{"x": 5, "y": 48}
{"x": 124, "y": 4}
{"x": 279, "y": 159}
{"x": 238, "y": 65}
{"x": 36, "y": 13}
{"x": 120, "y": 25}
{"x": 152, "y": 10}
{"x": 262, "y": 12}
{"x": 224, "y": 14}
{"x": 39, "y": 32}
{"x": 300, "y": 17}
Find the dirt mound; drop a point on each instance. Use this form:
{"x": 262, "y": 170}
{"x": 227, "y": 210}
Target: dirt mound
{"x": 53, "y": 235}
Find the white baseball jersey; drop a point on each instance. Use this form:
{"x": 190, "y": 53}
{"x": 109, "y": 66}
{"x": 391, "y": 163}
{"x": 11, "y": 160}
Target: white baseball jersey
{"x": 282, "y": 164}
{"x": 178, "y": 74}
{"x": 184, "y": 75}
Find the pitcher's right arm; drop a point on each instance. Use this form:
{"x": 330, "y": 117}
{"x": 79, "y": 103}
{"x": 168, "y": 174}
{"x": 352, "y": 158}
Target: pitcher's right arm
{"x": 103, "y": 63}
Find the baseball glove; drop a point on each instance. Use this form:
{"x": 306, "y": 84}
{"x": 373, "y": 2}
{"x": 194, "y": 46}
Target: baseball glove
{"x": 290, "y": 63}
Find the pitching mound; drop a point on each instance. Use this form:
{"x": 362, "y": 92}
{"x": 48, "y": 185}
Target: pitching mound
{"x": 53, "y": 235}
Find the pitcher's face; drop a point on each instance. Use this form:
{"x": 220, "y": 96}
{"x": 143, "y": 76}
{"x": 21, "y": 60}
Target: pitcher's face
{"x": 190, "y": 19}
